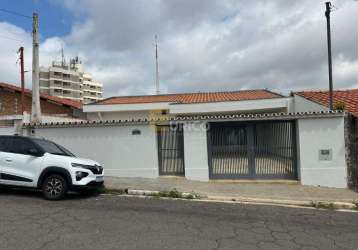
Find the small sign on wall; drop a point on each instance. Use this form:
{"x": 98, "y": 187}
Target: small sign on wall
{"x": 136, "y": 132}
{"x": 325, "y": 154}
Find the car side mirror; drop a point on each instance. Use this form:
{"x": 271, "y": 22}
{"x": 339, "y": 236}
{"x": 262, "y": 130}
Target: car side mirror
{"x": 34, "y": 152}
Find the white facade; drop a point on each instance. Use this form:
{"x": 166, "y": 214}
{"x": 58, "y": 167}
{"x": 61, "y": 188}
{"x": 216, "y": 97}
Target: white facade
{"x": 95, "y": 108}
{"x": 121, "y": 153}
{"x": 7, "y": 130}
{"x": 98, "y": 112}
{"x": 124, "y": 154}
{"x": 302, "y": 104}
{"x": 274, "y": 105}
{"x": 322, "y": 134}
{"x": 109, "y": 116}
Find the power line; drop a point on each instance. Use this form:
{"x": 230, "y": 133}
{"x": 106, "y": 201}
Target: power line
{"x": 15, "y": 13}
{"x": 26, "y": 16}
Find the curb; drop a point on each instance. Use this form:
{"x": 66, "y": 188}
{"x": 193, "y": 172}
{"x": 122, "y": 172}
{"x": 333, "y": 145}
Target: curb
{"x": 150, "y": 193}
{"x": 261, "y": 200}
{"x": 142, "y": 192}
{"x": 314, "y": 204}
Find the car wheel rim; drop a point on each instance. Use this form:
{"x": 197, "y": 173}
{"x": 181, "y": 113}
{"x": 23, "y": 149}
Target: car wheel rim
{"x": 54, "y": 187}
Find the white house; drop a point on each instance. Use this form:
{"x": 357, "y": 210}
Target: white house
{"x": 174, "y": 105}
{"x": 245, "y": 135}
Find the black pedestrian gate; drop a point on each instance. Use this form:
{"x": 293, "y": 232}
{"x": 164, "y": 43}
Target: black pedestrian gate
{"x": 252, "y": 150}
{"x": 171, "y": 150}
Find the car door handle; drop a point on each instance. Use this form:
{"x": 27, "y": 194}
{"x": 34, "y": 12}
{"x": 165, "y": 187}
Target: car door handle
{"x": 8, "y": 160}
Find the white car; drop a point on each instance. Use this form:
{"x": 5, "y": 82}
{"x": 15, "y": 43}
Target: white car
{"x": 45, "y": 165}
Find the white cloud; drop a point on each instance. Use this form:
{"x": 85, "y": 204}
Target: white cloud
{"x": 11, "y": 39}
{"x": 208, "y": 45}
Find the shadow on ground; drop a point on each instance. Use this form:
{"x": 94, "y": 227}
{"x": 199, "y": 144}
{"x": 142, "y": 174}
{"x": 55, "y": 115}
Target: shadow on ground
{"x": 21, "y": 192}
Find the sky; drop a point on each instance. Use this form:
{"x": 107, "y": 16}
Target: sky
{"x": 211, "y": 45}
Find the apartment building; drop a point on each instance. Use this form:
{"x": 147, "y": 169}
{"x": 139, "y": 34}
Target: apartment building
{"x": 91, "y": 91}
{"x": 69, "y": 81}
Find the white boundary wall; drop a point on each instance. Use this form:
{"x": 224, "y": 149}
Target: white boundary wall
{"x": 125, "y": 155}
{"x": 7, "y": 130}
{"x": 317, "y": 134}
{"x": 121, "y": 153}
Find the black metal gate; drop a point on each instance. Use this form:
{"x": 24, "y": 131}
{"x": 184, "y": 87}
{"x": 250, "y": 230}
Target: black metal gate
{"x": 260, "y": 150}
{"x": 171, "y": 150}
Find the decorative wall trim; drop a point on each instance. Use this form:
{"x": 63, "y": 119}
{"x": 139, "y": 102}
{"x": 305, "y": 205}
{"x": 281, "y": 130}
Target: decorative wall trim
{"x": 211, "y": 118}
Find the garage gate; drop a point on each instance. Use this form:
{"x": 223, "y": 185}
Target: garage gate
{"x": 252, "y": 150}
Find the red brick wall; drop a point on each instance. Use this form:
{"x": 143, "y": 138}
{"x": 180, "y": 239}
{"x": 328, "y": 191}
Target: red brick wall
{"x": 10, "y": 104}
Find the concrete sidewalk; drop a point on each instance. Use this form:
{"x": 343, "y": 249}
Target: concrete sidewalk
{"x": 237, "y": 190}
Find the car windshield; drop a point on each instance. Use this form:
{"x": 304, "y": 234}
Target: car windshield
{"x": 53, "y": 148}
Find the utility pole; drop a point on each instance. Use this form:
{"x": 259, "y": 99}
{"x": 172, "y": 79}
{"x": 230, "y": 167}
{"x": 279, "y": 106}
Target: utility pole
{"x": 156, "y": 66}
{"x": 36, "y": 108}
{"x": 22, "y": 72}
{"x": 328, "y": 16}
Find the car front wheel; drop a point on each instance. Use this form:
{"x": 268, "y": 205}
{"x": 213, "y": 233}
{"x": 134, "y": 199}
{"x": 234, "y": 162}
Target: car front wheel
{"x": 54, "y": 187}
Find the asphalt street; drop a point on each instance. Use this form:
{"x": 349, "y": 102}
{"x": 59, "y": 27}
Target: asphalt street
{"x": 112, "y": 222}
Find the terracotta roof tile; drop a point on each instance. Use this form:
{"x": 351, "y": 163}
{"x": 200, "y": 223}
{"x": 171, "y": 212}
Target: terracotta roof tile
{"x": 73, "y": 104}
{"x": 349, "y": 97}
{"x": 187, "y": 98}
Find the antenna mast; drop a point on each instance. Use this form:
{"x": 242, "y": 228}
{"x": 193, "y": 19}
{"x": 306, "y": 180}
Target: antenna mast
{"x": 63, "y": 63}
{"x": 329, "y": 43}
{"x": 156, "y": 66}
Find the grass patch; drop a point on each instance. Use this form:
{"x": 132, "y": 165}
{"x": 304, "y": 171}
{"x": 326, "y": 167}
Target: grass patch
{"x": 190, "y": 197}
{"x": 112, "y": 191}
{"x": 174, "y": 193}
{"x": 324, "y": 205}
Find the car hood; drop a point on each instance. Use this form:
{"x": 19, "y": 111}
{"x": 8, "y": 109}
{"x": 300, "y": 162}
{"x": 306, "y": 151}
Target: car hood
{"x": 72, "y": 159}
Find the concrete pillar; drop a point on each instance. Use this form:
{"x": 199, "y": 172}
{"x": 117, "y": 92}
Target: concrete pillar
{"x": 195, "y": 151}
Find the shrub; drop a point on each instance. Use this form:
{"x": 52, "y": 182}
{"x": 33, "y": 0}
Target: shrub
{"x": 340, "y": 106}
{"x": 174, "y": 193}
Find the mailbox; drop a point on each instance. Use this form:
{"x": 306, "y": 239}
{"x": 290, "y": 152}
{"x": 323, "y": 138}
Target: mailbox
{"x": 325, "y": 154}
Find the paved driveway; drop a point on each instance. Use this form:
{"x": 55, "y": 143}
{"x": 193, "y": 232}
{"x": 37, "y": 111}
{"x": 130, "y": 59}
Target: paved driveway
{"x": 109, "y": 222}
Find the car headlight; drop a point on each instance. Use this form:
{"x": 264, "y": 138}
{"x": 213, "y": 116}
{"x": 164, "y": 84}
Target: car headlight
{"x": 77, "y": 165}
{"x": 95, "y": 169}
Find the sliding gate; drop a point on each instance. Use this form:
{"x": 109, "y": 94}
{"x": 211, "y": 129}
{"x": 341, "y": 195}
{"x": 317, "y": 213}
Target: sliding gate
{"x": 171, "y": 150}
{"x": 260, "y": 150}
